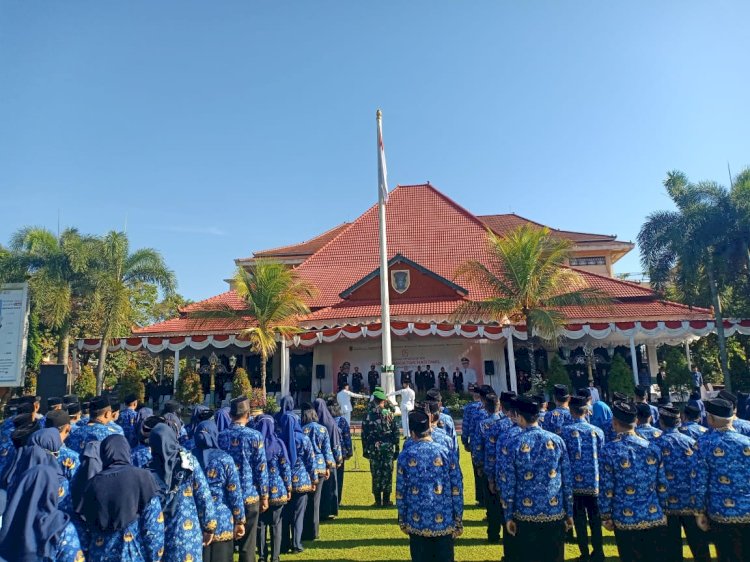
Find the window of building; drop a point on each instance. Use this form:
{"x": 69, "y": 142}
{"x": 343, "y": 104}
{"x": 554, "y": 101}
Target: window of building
{"x": 589, "y": 260}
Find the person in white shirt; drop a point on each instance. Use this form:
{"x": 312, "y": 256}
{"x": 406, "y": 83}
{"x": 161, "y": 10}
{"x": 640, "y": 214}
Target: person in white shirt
{"x": 344, "y": 398}
{"x": 408, "y": 397}
{"x": 470, "y": 375}
{"x": 594, "y": 392}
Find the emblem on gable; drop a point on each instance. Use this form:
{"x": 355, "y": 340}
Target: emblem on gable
{"x": 400, "y": 280}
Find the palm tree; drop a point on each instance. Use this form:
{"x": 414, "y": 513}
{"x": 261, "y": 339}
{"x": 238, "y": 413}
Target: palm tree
{"x": 117, "y": 276}
{"x": 700, "y": 245}
{"x": 274, "y": 298}
{"x": 530, "y": 283}
{"x": 58, "y": 269}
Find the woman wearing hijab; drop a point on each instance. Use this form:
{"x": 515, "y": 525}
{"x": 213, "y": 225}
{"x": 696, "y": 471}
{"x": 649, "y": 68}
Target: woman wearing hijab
{"x": 346, "y": 444}
{"x": 279, "y": 488}
{"x": 304, "y": 479}
{"x": 223, "y": 419}
{"x": 122, "y": 509}
{"x": 329, "y": 500}
{"x": 189, "y": 515}
{"x": 226, "y": 492}
{"x": 286, "y": 406}
{"x": 34, "y": 529}
{"x": 200, "y": 413}
{"x": 140, "y": 456}
{"x": 324, "y": 463}
{"x": 33, "y": 455}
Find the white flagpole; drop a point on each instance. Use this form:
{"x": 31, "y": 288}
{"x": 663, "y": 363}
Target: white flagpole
{"x": 385, "y": 312}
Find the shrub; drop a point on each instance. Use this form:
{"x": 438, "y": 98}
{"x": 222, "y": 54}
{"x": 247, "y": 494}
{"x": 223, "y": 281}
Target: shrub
{"x": 132, "y": 381}
{"x": 272, "y": 406}
{"x": 189, "y": 388}
{"x": 85, "y": 383}
{"x": 241, "y": 383}
{"x": 620, "y": 376}
{"x": 257, "y": 398}
{"x": 557, "y": 374}
{"x": 29, "y": 383}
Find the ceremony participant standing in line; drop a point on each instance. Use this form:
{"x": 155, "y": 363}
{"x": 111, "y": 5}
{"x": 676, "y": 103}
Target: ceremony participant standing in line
{"x": 483, "y": 444}
{"x": 679, "y": 466}
{"x": 601, "y": 414}
{"x": 33, "y": 526}
{"x": 471, "y": 414}
{"x": 304, "y": 480}
{"x": 140, "y": 456}
{"x": 429, "y": 378}
{"x": 458, "y": 381}
{"x": 443, "y": 380}
{"x": 429, "y": 495}
{"x": 560, "y": 416}
{"x": 346, "y": 444}
{"x": 189, "y": 515}
{"x": 226, "y": 491}
{"x": 329, "y": 499}
{"x": 739, "y": 425}
{"x": 537, "y": 492}
{"x": 632, "y": 491}
{"x": 437, "y": 433}
{"x": 122, "y": 509}
{"x": 721, "y": 483}
{"x": 98, "y": 428}
{"x": 246, "y": 448}
{"x": 408, "y": 399}
{"x": 324, "y": 464}
{"x": 280, "y": 490}
{"x": 418, "y": 383}
{"x": 356, "y": 380}
{"x": 74, "y": 411}
{"x": 641, "y": 397}
{"x": 584, "y": 442}
{"x": 373, "y": 379}
{"x": 644, "y": 428}
{"x": 127, "y": 418}
{"x": 380, "y": 441}
{"x": 446, "y": 421}
{"x": 691, "y": 426}
{"x": 344, "y": 398}
{"x": 68, "y": 458}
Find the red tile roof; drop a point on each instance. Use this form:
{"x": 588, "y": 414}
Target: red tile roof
{"x": 185, "y": 326}
{"x": 306, "y": 248}
{"x": 501, "y": 224}
{"x": 226, "y": 299}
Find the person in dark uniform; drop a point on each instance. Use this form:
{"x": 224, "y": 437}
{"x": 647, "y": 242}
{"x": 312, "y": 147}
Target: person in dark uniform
{"x": 458, "y": 381}
{"x": 428, "y": 376}
{"x": 373, "y": 379}
{"x": 343, "y": 377}
{"x": 406, "y": 377}
{"x": 537, "y": 494}
{"x": 419, "y": 379}
{"x": 356, "y": 380}
{"x": 443, "y": 380}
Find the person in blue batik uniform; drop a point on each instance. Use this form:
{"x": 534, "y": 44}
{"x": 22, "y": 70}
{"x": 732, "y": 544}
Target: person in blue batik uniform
{"x": 67, "y": 458}
{"x": 560, "y": 416}
{"x": 33, "y": 526}
{"x": 141, "y": 454}
{"x": 279, "y": 486}
{"x": 641, "y": 397}
{"x": 98, "y": 428}
{"x": 633, "y": 490}
{"x": 691, "y": 426}
{"x": 679, "y": 469}
{"x": 226, "y": 492}
{"x": 200, "y": 414}
{"x": 429, "y": 494}
{"x": 739, "y": 425}
{"x": 346, "y": 443}
{"x": 481, "y": 444}
{"x": 329, "y": 502}
{"x": 122, "y": 509}
{"x": 722, "y": 496}
{"x": 537, "y": 492}
{"x": 304, "y": 479}
{"x": 247, "y": 449}
{"x": 473, "y": 413}
{"x": 189, "y": 515}
{"x": 127, "y": 419}
{"x": 437, "y": 433}
{"x": 445, "y": 422}
{"x": 584, "y": 442}
{"x": 644, "y": 428}
{"x": 324, "y": 464}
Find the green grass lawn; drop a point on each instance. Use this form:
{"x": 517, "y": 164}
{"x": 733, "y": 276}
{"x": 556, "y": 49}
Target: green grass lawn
{"x": 362, "y": 532}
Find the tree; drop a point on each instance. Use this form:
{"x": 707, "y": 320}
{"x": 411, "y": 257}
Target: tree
{"x": 274, "y": 297}
{"x": 119, "y": 274}
{"x": 240, "y": 383}
{"x": 530, "y": 284}
{"x": 189, "y": 388}
{"x": 557, "y": 374}
{"x": 620, "y": 376}
{"x": 132, "y": 382}
{"x": 700, "y": 247}
{"x": 85, "y": 383}
{"x": 58, "y": 271}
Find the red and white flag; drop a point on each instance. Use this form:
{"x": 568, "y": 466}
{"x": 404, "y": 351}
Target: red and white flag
{"x": 382, "y": 172}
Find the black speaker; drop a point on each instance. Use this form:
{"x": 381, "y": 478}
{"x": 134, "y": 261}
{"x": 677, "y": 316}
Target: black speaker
{"x": 320, "y": 371}
{"x": 489, "y": 368}
{"x": 52, "y": 381}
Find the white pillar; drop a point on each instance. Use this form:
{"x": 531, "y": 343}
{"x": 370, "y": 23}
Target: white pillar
{"x": 687, "y": 355}
{"x": 512, "y": 363}
{"x": 503, "y": 371}
{"x": 633, "y": 360}
{"x": 176, "y": 370}
{"x": 653, "y": 361}
{"x": 284, "y": 367}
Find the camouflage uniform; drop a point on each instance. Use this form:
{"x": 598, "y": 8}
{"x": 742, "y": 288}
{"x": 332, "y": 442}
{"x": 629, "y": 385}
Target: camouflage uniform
{"x": 380, "y": 439}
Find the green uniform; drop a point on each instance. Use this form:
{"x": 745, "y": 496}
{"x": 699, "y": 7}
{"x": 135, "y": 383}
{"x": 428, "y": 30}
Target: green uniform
{"x": 380, "y": 439}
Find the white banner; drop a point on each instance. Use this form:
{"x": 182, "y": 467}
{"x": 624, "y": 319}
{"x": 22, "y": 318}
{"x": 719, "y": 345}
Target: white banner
{"x": 14, "y": 329}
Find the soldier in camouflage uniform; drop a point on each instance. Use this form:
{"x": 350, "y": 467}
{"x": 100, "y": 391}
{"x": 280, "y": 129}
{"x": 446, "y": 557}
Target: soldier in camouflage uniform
{"x": 380, "y": 439}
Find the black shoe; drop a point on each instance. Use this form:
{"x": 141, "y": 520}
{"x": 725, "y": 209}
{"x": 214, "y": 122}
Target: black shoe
{"x": 297, "y": 550}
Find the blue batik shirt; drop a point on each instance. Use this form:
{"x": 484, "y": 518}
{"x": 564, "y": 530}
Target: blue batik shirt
{"x": 279, "y": 479}
{"x": 140, "y": 456}
{"x": 440, "y": 437}
{"x": 722, "y": 483}
{"x": 246, "y": 448}
{"x": 679, "y": 470}
{"x": 692, "y": 429}
{"x": 126, "y": 421}
{"x": 467, "y": 427}
{"x": 491, "y": 437}
{"x": 321, "y": 443}
{"x": 68, "y": 546}
{"x": 93, "y": 431}
{"x": 69, "y": 462}
{"x": 741, "y": 426}
{"x": 601, "y": 416}
{"x": 446, "y": 422}
{"x": 536, "y": 482}
{"x": 476, "y": 439}
{"x": 647, "y": 431}
{"x": 141, "y": 540}
{"x": 508, "y": 432}
{"x": 304, "y": 476}
{"x": 584, "y": 443}
{"x": 429, "y": 490}
{"x": 226, "y": 492}
{"x": 556, "y": 419}
{"x": 346, "y": 437}
{"x": 484, "y": 441}
{"x": 633, "y": 484}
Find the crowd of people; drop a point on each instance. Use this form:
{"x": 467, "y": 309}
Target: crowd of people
{"x": 107, "y": 481}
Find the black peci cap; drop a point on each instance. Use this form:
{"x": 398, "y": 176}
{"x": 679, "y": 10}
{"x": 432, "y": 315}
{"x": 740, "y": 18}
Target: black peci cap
{"x": 239, "y": 406}
{"x": 641, "y": 391}
{"x": 419, "y": 421}
{"x": 70, "y": 399}
{"x": 130, "y": 398}
{"x": 172, "y": 407}
{"x": 54, "y": 401}
{"x": 526, "y": 405}
{"x": 692, "y": 411}
{"x": 624, "y": 412}
{"x": 669, "y": 415}
{"x": 620, "y": 397}
{"x": 99, "y": 403}
{"x": 728, "y": 396}
{"x": 74, "y": 408}
{"x": 561, "y": 392}
{"x": 644, "y": 410}
{"x": 578, "y": 401}
{"x": 507, "y": 396}
{"x": 720, "y": 408}
{"x": 56, "y": 418}
{"x": 585, "y": 392}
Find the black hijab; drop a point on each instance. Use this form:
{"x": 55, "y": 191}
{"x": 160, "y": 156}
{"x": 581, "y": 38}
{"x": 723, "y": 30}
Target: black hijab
{"x": 117, "y": 496}
{"x": 32, "y": 524}
{"x": 91, "y": 465}
{"x": 286, "y": 405}
{"x": 166, "y": 465}
{"x": 141, "y": 416}
{"x": 24, "y": 459}
{"x": 206, "y": 439}
{"x": 326, "y": 420}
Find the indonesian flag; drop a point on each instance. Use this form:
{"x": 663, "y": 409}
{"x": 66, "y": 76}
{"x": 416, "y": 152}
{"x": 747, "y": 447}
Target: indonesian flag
{"x": 382, "y": 172}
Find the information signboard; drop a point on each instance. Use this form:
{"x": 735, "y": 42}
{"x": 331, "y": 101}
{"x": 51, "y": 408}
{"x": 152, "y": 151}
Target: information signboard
{"x": 14, "y": 329}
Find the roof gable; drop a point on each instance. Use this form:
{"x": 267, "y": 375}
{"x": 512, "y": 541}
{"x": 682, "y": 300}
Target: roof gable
{"x": 500, "y": 224}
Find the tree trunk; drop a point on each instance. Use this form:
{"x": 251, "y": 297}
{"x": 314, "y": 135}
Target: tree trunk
{"x": 102, "y": 361}
{"x": 63, "y": 346}
{"x": 719, "y": 318}
{"x": 263, "y": 361}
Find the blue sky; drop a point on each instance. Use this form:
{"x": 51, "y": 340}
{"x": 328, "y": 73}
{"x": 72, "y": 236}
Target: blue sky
{"x": 212, "y": 129}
